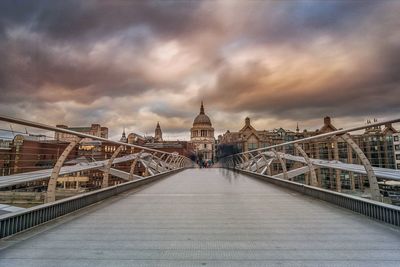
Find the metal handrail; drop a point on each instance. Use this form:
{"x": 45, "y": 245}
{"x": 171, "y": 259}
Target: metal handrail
{"x": 83, "y": 135}
{"x": 19, "y": 221}
{"x": 377, "y": 210}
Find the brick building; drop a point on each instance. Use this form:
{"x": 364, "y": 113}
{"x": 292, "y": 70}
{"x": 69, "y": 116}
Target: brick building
{"x": 181, "y": 147}
{"x": 5, "y": 154}
{"x": 94, "y": 129}
{"x": 377, "y": 143}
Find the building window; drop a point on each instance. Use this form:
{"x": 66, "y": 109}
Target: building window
{"x": 398, "y": 166}
{"x": 397, "y": 147}
{"x": 252, "y": 146}
{"x": 396, "y": 138}
{"x": 398, "y": 157}
{"x": 205, "y": 145}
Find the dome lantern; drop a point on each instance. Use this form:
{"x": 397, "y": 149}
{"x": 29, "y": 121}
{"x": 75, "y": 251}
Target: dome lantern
{"x": 202, "y": 118}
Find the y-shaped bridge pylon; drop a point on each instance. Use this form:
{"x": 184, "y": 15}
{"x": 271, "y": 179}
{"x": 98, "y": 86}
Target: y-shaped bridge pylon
{"x": 152, "y": 159}
{"x": 259, "y": 161}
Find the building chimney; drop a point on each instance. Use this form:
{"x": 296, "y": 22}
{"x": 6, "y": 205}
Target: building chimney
{"x": 327, "y": 120}
{"x": 247, "y": 121}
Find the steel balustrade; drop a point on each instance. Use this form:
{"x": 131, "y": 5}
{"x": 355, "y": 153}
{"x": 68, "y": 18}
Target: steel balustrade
{"x": 342, "y": 134}
{"x": 51, "y": 187}
{"x": 13, "y": 223}
{"x": 106, "y": 173}
{"x": 372, "y": 208}
{"x": 155, "y": 166}
{"x": 145, "y": 156}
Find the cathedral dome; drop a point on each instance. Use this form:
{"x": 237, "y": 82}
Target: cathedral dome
{"x": 202, "y": 118}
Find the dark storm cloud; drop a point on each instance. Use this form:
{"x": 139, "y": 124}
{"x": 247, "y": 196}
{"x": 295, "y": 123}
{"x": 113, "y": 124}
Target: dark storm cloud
{"x": 371, "y": 88}
{"x": 293, "y": 23}
{"x": 86, "y": 20}
{"x": 30, "y": 63}
{"x": 25, "y": 72}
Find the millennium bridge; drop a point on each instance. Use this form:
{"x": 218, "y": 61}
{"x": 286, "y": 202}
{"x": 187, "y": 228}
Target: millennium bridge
{"x": 176, "y": 214}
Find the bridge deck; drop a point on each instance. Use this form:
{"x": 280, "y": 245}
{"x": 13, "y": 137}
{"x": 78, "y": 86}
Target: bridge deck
{"x": 211, "y": 217}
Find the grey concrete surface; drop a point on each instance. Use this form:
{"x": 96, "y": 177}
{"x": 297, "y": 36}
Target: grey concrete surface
{"x": 211, "y": 217}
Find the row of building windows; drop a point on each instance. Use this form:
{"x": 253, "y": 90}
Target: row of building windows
{"x": 202, "y": 133}
{"x": 113, "y": 148}
{"x": 204, "y": 146}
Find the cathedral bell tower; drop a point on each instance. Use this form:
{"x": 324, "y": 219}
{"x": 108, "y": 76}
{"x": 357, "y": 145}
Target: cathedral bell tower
{"x": 158, "y": 133}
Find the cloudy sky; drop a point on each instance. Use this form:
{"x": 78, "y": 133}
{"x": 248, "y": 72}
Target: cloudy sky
{"x": 133, "y": 63}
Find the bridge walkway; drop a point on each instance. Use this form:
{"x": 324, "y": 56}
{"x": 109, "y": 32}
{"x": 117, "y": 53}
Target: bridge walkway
{"x": 210, "y": 217}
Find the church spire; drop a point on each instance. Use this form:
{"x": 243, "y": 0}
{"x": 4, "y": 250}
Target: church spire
{"x": 202, "y": 108}
{"x": 123, "y": 137}
{"x": 297, "y": 128}
{"x": 158, "y": 133}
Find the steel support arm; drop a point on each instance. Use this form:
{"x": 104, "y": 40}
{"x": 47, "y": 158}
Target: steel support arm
{"x": 373, "y": 182}
{"x": 52, "y": 185}
{"x": 283, "y": 165}
{"x": 133, "y": 165}
{"x": 314, "y": 181}
{"x": 106, "y": 174}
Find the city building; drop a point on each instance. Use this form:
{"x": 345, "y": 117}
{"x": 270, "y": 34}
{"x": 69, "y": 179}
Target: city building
{"x": 202, "y": 136}
{"x": 158, "y": 133}
{"x": 93, "y": 150}
{"x": 26, "y": 153}
{"x": 137, "y": 139}
{"x": 156, "y": 142}
{"x": 123, "y": 139}
{"x": 183, "y": 148}
{"x": 396, "y": 143}
{"x": 380, "y": 145}
{"x": 5, "y": 156}
{"x": 377, "y": 144}
{"x": 248, "y": 138}
{"x": 94, "y": 129}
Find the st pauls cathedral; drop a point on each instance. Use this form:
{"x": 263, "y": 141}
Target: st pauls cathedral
{"x": 202, "y": 137}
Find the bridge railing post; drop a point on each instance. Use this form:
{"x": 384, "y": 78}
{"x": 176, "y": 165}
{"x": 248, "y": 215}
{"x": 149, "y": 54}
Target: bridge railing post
{"x": 313, "y": 175}
{"x": 106, "y": 173}
{"x": 158, "y": 162}
{"x": 282, "y": 163}
{"x": 52, "y": 184}
{"x": 134, "y": 163}
{"x": 373, "y": 182}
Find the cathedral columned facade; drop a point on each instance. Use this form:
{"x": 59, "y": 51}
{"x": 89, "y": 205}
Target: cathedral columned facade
{"x": 202, "y": 136}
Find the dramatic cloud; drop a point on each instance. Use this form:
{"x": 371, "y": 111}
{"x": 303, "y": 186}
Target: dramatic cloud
{"x": 131, "y": 64}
